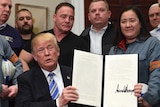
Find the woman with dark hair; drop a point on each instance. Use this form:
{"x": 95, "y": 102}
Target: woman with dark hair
{"x": 133, "y": 38}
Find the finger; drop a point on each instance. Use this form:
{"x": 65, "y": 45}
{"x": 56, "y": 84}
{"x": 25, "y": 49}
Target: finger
{"x": 70, "y": 88}
{"x": 140, "y": 100}
{"x": 71, "y": 97}
{"x": 11, "y": 93}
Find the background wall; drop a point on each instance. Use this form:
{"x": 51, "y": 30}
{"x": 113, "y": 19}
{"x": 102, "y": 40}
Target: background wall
{"x": 51, "y": 4}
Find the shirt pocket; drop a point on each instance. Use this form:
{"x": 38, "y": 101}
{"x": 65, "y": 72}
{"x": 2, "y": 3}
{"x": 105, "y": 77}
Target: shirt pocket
{"x": 143, "y": 69}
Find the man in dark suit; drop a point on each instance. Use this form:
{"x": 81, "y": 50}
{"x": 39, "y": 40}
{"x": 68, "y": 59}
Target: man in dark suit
{"x": 34, "y": 85}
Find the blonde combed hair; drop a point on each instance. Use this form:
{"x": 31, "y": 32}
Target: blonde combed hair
{"x": 41, "y": 37}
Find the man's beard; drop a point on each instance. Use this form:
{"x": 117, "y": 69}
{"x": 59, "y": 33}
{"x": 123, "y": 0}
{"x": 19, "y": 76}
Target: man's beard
{"x": 25, "y": 31}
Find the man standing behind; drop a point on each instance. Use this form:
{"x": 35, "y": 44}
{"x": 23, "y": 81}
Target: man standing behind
{"x": 100, "y": 36}
{"x": 24, "y": 24}
{"x": 8, "y": 32}
{"x": 154, "y": 17}
{"x": 63, "y": 19}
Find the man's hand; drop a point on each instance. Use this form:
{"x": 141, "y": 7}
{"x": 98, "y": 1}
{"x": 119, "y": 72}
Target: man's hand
{"x": 5, "y": 91}
{"x": 13, "y": 90}
{"x": 68, "y": 94}
{"x": 137, "y": 92}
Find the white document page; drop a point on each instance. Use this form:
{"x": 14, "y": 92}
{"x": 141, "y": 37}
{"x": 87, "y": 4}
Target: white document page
{"x": 121, "y": 74}
{"x": 87, "y": 77}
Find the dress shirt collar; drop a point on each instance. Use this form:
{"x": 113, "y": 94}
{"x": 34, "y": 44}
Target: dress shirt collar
{"x": 56, "y": 71}
{"x": 3, "y": 26}
{"x": 103, "y": 29}
{"x": 158, "y": 28}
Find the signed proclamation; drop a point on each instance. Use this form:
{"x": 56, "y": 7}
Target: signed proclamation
{"x": 120, "y": 75}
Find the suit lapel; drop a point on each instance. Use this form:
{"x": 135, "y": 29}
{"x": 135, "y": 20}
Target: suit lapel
{"x": 66, "y": 75}
{"x": 41, "y": 86}
{"x": 41, "y": 83}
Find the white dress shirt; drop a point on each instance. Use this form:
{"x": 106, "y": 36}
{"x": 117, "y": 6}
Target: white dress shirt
{"x": 57, "y": 78}
{"x": 156, "y": 32}
{"x": 96, "y": 40}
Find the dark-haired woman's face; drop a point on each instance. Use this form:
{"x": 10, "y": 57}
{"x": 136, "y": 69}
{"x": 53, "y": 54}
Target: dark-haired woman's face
{"x": 130, "y": 25}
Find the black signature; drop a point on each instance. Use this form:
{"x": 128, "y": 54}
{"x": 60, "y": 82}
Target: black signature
{"x": 124, "y": 90}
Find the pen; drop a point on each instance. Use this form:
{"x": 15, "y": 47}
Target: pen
{"x": 142, "y": 94}
{"x": 7, "y": 79}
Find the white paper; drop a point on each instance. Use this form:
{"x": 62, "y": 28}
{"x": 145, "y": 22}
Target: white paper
{"x": 87, "y": 77}
{"x": 121, "y": 74}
